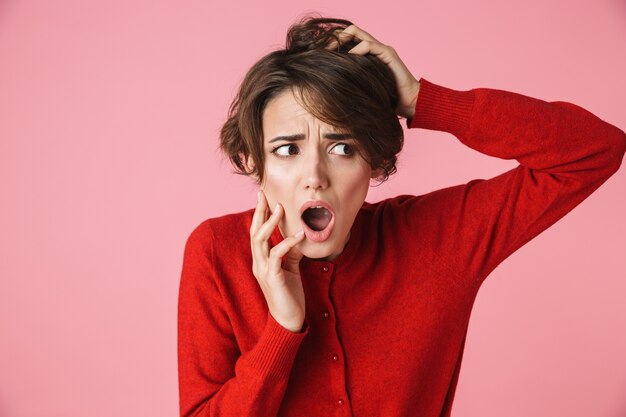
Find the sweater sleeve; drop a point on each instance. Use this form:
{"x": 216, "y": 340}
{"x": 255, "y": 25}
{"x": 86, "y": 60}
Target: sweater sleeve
{"x": 564, "y": 153}
{"x": 215, "y": 379}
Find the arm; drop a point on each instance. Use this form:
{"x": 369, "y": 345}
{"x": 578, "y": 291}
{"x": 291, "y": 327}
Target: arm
{"x": 214, "y": 378}
{"x": 565, "y": 153}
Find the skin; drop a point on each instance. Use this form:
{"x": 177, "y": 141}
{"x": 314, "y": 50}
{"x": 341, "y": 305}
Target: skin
{"x": 314, "y": 167}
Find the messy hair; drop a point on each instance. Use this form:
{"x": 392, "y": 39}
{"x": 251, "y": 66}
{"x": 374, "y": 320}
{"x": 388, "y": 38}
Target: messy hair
{"x": 356, "y": 94}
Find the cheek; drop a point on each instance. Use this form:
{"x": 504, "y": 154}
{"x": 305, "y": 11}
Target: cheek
{"x": 276, "y": 180}
{"x": 354, "y": 190}
{"x": 358, "y": 181}
{"x": 275, "y": 170}
{"x": 278, "y": 187}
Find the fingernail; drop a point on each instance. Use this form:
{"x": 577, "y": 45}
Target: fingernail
{"x": 275, "y": 209}
{"x": 300, "y": 233}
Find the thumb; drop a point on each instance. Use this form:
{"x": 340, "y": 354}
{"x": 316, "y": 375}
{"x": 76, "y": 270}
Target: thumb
{"x": 292, "y": 260}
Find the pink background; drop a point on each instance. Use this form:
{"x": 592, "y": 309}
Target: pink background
{"x": 109, "y": 120}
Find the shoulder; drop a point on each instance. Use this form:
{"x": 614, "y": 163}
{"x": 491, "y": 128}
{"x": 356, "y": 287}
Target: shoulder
{"x": 220, "y": 232}
{"x": 394, "y": 208}
{"x": 414, "y": 218}
{"x": 433, "y": 203}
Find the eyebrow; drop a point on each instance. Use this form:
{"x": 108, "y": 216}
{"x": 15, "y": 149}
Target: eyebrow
{"x": 331, "y": 136}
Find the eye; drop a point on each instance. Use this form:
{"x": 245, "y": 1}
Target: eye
{"x": 282, "y": 153}
{"x": 346, "y": 148}
{"x": 285, "y": 151}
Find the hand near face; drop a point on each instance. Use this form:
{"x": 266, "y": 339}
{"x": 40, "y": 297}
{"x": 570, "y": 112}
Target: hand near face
{"x": 408, "y": 85}
{"x": 281, "y": 285}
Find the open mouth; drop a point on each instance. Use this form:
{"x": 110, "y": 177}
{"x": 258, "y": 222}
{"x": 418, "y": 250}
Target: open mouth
{"x": 318, "y": 220}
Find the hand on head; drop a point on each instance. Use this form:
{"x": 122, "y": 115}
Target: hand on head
{"x": 408, "y": 85}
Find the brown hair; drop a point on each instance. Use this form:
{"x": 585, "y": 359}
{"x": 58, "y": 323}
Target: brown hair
{"x": 356, "y": 94}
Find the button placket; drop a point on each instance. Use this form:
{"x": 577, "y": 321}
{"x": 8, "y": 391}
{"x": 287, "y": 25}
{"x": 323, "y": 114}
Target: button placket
{"x": 325, "y": 271}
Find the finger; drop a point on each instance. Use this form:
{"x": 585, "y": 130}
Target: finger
{"x": 359, "y": 33}
{"x": 347, "y": 34}
{"x": 339, "y": 38}
{"x": 286, "y": 246}
{"x": 374, "y": 48}
{"x": 260, "y": 213}
{"x": 259, "y": 241}
{"x": 259, "y": 250}
{"x": 293, "y": 257}
{"x": 267, "y": 228}
{"x": 332, "y": 45}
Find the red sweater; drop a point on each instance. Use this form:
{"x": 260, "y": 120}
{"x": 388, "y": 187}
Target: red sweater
{"x": 386, "y": 320}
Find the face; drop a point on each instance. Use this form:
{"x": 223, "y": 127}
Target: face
{"x": 320, "y": 164}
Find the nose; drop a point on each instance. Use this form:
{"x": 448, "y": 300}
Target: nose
{"x": 314, "y": 170}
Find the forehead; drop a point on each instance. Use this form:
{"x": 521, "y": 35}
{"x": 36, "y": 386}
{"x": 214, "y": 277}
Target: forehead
{"x": 284, "y": 112}
{"x": 284, "y": 106}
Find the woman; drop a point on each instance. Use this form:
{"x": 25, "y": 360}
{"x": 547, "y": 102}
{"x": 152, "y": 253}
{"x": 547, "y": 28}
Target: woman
{"x": 332, "y": 305}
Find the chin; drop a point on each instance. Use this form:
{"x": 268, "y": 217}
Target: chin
{"x": 313, "y": 250}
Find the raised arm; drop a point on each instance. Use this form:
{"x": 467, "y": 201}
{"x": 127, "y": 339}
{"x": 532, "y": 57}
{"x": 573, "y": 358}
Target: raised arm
{"x": 215, "y": 379}
{"x": 565, "y": 153}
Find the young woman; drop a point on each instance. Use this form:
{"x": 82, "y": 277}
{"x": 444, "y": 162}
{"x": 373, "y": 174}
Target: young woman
{"x": 335, "y": 306}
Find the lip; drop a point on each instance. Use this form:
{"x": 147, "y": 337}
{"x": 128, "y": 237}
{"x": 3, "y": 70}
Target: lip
{"x": 321, "y": 235}
{"x": 313, "y": 203}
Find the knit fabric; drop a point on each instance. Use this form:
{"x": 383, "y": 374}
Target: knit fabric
{"x": 386, "y": 320}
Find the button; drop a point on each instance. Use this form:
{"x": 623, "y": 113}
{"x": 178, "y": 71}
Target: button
{"x": 340, "y": 402}
{"x": 325, "y": 268}
{"x": 335, "y": 358}
{"x": 325, "y": 315}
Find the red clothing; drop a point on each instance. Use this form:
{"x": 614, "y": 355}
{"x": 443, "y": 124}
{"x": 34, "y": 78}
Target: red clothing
{"x": 386, "y": 320}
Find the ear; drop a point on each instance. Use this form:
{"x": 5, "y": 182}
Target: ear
{"x": 249, "y": 164}
{"x": 247, "y": 161}
{"x": 377, "y": 172}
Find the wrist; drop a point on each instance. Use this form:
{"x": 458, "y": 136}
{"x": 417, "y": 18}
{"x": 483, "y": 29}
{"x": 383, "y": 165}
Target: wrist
{"x": 411, "y": 109}
{"x": 296, "y": 329}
